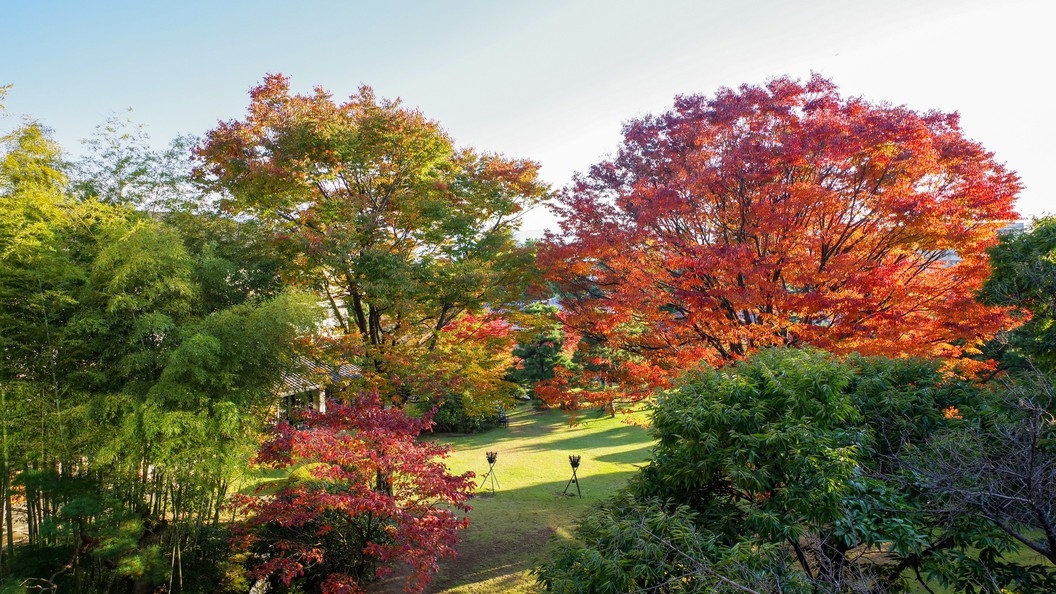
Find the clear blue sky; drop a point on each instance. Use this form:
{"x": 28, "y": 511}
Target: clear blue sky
{"x": 547, "y": 80}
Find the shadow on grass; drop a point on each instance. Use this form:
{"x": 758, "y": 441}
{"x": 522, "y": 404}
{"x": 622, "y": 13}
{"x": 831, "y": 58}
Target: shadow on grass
{"x": 524, "y": 422}
{"x": 638, "y": 456}
{"x": 511, "y": 531}
{"x": 614, "y": 436}
{"x": 525, "y": 428}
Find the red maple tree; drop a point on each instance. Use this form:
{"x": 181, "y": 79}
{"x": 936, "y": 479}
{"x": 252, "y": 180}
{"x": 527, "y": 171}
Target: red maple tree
{"x": 367, "y": 493}
{"x": 781, "y": 214}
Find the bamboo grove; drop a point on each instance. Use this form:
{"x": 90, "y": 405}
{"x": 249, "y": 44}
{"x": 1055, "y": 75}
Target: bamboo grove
{"x": 137, "y": 365}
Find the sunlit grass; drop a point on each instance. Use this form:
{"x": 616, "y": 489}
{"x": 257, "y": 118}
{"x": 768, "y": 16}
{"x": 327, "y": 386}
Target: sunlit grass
{"x": 509, "y": 530}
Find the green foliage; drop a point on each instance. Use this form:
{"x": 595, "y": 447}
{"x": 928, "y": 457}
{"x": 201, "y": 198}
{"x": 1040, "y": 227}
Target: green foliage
{"x": 31, "y": 162}
{"x": 121, "y": 167}
{"x": 37, "y": 275}
{"x": 772, "y": 447}
{"x": 1001, "y": 469}
{"x": 817, "y": 461}
{"x": 235, "y": 260}
{"x": 453, "y": 417}
{"x": 953, "y": 449}
{"x": 904, "y": 401}
{"x": 1024, "y": 278}
{"x": 641, "y": 545}
{"x": 769, "y": 445}
{"x": 133, "y": 382}
{"x": 539, "y": 346}
{"x": 146, "y": 268}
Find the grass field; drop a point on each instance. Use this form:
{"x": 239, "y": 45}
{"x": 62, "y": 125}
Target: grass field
{"x": 509, "y": 531}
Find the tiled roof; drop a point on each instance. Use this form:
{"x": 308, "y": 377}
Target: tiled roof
{"x": 314, "y": 375}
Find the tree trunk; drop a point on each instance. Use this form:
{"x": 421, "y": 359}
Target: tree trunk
{"x": 6, "y": 480}
{"x": 3, "y": 510}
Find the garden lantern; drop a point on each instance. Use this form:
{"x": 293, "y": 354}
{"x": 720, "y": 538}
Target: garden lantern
{"x": 573, "y": 461}
{"x": 492, "y": 457}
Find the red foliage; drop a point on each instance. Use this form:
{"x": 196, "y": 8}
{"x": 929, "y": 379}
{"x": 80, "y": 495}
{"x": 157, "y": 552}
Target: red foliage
{"x": 471, "y": 327}
{"x": 781, "y": 215}
{"x": 372, "y": 493}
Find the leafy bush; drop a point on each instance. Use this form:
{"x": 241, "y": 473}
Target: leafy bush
{"x": 453, "y": 417}
{"x": 795, "y": 468}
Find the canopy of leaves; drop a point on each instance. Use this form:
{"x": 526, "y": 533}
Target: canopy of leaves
{"x": 399, "y": 231}
{"x": 1024, "y": 277}
{"x": 782, "y": 215}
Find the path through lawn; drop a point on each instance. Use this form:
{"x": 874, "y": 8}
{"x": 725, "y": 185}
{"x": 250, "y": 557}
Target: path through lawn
{"x": 509, "y": 531}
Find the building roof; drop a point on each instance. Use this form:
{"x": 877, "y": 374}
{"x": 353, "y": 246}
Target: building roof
{"x": 315, "y": 375}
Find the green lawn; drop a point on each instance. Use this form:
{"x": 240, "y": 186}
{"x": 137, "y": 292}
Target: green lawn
{"x": 509, "y": 530}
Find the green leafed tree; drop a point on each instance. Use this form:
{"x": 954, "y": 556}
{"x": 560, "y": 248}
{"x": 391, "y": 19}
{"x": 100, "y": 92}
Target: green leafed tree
{"x": 1024, "y": 278}
{"x": 121, "y": 166}
{"x": 131, "y": 391}
{"x": 400, "y": 232}
{"x": 37, "y": 280}
{"x": 540, "y": 346}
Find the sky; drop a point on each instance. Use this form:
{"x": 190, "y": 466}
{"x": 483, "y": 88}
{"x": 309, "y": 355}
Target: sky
{"x": 552, "y": 81}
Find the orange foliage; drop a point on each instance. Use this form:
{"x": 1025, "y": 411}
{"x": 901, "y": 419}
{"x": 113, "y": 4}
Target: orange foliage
{"x": 408, "y": 239}
{"x": 780, "y": 215}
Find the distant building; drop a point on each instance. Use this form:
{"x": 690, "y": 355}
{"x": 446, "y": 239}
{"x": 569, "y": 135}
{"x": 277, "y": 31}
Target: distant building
{"x": 1017, "y": 227}
{"x": 312, "y": 385}
{"x": 950, "y": 257}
